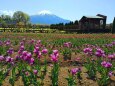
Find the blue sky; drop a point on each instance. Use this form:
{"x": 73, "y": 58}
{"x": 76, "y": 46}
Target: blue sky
{"x": 67, "y": 9}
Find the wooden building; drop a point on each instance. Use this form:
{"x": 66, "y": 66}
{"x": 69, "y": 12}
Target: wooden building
{"x": 93, "y": 22}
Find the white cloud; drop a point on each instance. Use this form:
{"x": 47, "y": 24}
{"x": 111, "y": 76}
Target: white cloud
{"x": 43, "y": 12}
{"x": 7, "y": 12}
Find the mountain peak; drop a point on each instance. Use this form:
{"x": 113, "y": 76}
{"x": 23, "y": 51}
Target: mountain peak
{"x": 45, "y": 12}
{"x": 46, "y": 17}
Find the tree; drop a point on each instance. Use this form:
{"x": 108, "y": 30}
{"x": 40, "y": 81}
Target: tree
{"x": 20, "y": 16}
{"x": 113, "y": 28}
{"x": 76, "y": 22}
{"x": 5, "y": 20}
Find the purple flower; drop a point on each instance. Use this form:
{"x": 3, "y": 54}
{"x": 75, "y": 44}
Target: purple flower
{"x": 20, "y": 52}
{"x": 110, "y": 73}
{"x": 32, "y": 41}
{"x": 1, "y": 58}
{"x": 35, "y": 72}
{"x": 9, "y": 59}
{"x": 7, "y": 43}
{"x": 29, "y": 55}
{"x": 17, "y": 57}
{"x": 36, "y": 49}
{"x": 39, "y": 55}
{"x": 109, "y": 45}
{"x": 39, "y": 41}
{"x": 54, "y": 58}
{"x": 67, "y": 44}
{"x": 44, "y": 51}
{"x": 21, "y": 43}
{"x": 10, "y": 51}
{"x": 31, "y": 62}
{"x": 106, "y": 64}
{"x": 24, "y": 53}
{"x": 21, "y": 57}
{"x": 113, "y": 42}
{"x": 103, "y": 63}
{"x": 111, "y": 56}
{"x": 100, "y": 53}
{"x": 21, "y": 47}
{"x": 55, "y": 52}
{"x": 88, "y": 51}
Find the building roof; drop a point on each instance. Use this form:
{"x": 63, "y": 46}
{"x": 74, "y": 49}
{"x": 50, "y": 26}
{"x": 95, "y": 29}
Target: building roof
{"x": 98, "y": 17}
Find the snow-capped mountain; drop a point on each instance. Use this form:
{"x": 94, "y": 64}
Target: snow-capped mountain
{"x": 46, "y": 17}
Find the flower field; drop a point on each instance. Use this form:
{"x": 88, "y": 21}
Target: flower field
{"x": 29, "y": 59}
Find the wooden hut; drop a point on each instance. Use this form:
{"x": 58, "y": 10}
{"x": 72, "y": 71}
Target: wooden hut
{"x": 93, "y": 22}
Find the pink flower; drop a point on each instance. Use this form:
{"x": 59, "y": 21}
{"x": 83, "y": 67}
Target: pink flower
{"x": 55, "y": 52}
{"x": 75, "y": 70}
{"x": 35, "y": 51}
{"x": 44, "y": 51}
{"x": 26, "y": 73}
{"x": 54, "y": 58}
{"x": 103, "y": 63}
{"x": 39, "y": 41}
{"x": 8, "y": 43}
{"x": 35, "y": 72}
{"x": 78, "y": 59}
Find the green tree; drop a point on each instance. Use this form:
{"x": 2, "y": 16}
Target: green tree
{"x": 5, "y": 20}
{"x": 113, "y": 28}
{"x": 20, "y": 16}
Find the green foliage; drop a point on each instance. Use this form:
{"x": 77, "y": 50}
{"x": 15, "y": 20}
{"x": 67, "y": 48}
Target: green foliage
{"x": 71, "y": 79}
{"x": 55, "y": 72}
{"x": 90, "y": 66}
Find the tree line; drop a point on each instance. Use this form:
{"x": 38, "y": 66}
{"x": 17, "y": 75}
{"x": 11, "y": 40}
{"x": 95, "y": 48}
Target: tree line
{"x": 66, "y": 26}
{"x": 18, "y": 18}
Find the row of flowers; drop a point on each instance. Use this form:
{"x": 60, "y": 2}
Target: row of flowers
{"x": 27, "y": 63}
